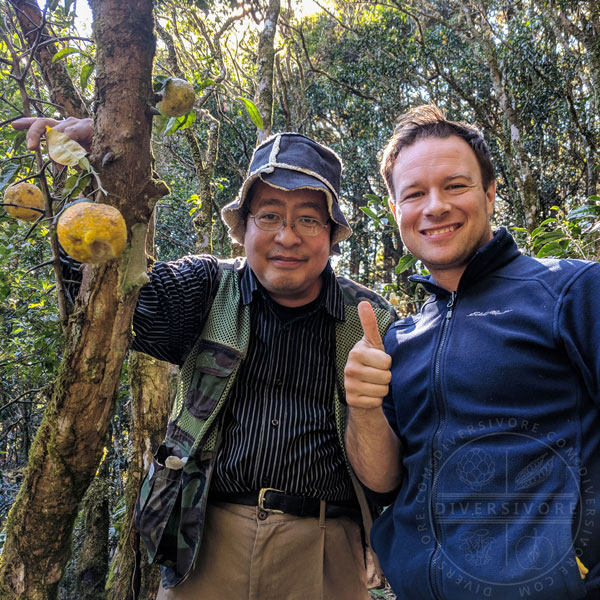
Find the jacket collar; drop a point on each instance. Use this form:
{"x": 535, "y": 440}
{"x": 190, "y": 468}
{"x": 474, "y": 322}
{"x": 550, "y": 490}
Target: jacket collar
{"x": 499, "y": 251}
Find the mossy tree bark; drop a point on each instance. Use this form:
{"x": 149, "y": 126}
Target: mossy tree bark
{"x": 92, "y": 562}
{"x": 131, "y": 576}
{"x": 153, "y": 385}
{"x": 68, "y": 447}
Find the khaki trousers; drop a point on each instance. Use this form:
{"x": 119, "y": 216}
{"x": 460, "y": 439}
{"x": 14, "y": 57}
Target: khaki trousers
{"x": 251, "y": 554}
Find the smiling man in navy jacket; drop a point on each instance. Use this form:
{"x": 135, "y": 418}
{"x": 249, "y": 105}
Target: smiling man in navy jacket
{"x": 477, "y": 420}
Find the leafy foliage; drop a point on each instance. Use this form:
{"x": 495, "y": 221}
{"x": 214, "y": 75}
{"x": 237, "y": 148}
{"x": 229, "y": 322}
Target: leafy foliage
{"x": 567, "y": 235}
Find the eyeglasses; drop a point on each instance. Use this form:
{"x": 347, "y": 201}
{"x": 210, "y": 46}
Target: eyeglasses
{"x": 305, "y": 226}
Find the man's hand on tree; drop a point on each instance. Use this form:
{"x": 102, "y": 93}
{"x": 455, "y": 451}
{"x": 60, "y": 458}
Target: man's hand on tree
{"x": 80, "y": 130}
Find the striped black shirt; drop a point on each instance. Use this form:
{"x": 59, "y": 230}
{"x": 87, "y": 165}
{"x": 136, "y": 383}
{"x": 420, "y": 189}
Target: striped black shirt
{"x": 278, "y": 423}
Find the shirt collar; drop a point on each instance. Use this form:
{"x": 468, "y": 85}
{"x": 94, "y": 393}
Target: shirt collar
{"x": 332, "y": 298}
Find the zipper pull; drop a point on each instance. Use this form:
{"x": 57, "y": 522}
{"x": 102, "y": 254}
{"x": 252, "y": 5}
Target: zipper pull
{"x": 450, "y": 305}
{"x": 583, "y": 570}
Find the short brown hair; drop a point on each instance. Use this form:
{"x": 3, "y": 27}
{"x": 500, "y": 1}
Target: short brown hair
{"x": 429, "y": 121}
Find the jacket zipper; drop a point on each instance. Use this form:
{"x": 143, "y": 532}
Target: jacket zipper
{"x": 434, "y": 568}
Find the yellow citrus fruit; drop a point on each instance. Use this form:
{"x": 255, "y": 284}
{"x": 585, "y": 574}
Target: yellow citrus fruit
{"x": 27, "y": 196}
{"x": 92, "y": 233}
{"x": 178, "y": 98}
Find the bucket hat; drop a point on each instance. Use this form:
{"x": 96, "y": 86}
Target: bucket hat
{"x": 291, "y": 161}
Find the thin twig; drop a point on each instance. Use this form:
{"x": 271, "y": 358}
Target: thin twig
{"x": 18, "y": 398}
{"x": 38, "y": 266}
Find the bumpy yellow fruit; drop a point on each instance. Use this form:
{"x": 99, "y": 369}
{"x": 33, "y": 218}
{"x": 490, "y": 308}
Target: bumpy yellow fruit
{"x": 26, "y": 195}
{"x": 92, "y": 233}
{"x": 178, "y": 98}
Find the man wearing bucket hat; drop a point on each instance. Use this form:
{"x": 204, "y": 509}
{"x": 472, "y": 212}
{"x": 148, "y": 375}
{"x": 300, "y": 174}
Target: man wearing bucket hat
{"x": 250, "y": 494}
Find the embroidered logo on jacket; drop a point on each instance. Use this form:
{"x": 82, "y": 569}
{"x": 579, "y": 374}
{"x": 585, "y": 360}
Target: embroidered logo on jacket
{"x": 494, "y": 313}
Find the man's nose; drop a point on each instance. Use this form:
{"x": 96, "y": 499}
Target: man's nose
{"x": 287, "y": 235}
{"x": 437, "y": 203}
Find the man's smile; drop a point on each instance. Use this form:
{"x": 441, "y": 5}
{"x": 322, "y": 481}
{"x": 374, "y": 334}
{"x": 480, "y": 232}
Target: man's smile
{"x": 440, "y": 230}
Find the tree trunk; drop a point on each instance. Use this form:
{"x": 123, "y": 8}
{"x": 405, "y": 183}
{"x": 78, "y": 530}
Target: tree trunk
{"x": 265, "y": 61}
{"x": 530, "y": 206}
{"x": 68, "y": 447}
{"x": 92, "y": 562}
{"x": 204, "y": 162}
{"x": 131, "y": 577}
{"x": 57, "y": 80}
{"x": 150, "y": 405}
{"x": 587, "y": 36}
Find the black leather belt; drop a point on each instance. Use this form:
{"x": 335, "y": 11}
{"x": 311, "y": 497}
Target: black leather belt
{"x": 276, "y": 501}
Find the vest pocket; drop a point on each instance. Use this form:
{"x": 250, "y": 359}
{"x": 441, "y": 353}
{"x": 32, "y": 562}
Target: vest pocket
{"x": 214, "y": 365}
{"x": 159, "y": 493}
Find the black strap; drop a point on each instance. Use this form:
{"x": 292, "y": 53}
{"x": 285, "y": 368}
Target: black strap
{"x": 300, "y": 506}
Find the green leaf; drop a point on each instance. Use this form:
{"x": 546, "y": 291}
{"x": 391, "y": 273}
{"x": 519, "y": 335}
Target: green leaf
{"x": 537, "y": 231}
{"x": 64, "y": 52}
{"x": 188, "y": 120}
{"x": 551, "y": 249}
{"x": 202, "y": 85}
{"x": 86, "y": 71}
{"x": 587, "y": 211}
{"x": 183, "y": 122}
{"x": 19, "y": 139}
{"x": 8, "y": 173}
{"x": 369, "y": 212}
{"x": 406, "y": 262}
{"x": 159, "y": 83}
{"x": 374, "y": 198}
{"x": 252, "y": 111}
{"x": 172, "y": 125}
{"x": 84, "y": 163}
{"x": 70, "y": 184}
{"x": 549, "y": 236}
{"x": 76, "y": 183}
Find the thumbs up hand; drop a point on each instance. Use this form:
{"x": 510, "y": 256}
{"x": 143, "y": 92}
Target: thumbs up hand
{"x": 367, "y": 374}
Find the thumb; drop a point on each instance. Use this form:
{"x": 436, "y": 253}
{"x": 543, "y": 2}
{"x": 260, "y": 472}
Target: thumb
{"x": 369, "y": 325}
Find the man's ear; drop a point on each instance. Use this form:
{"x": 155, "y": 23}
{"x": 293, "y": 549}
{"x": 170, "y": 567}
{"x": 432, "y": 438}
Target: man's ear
{"x": 393, "y": 208}
{"x": 490, "y": 198}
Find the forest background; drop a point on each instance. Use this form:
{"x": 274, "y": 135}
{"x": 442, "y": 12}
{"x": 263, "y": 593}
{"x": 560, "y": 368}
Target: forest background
{"x": 79, "y": 415}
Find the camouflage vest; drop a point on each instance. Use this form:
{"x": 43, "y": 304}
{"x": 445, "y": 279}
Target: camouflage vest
{"x": 172, "y": 501}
